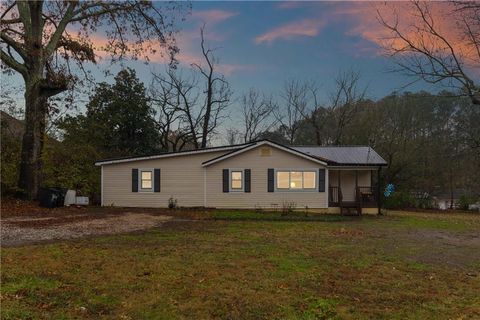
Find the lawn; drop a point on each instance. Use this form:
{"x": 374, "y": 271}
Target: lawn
{"x": 256, "y": 266}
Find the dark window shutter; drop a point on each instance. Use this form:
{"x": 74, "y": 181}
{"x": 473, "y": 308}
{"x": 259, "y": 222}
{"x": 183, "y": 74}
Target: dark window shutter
{"x": 271, "y": 180}
{"x": 134, "y": 180}
{"x": 156, "y": 180}
{"x": 226, "y": 186}
{"x": 247, "y": 180}
{"x": 321, "y": 180}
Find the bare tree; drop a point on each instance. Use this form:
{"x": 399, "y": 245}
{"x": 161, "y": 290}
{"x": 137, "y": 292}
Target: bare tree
{"x": 313, "y": 112}
{"x": 257, "y": 111}
{"x": 217, "y": 92}
{"x": 173, "y": 98}
{"x": 233, "y": 136}
{"x": 425, "y": 51}
{"x": 345, "y": 102}
{"x": 295, "y": 99}
{"x": 190, "y": 107}
{"x": 38, "y": 42}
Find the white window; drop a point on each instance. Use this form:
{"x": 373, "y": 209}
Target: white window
{"x": 283, "y": 180}
{"x": 236, "y": 180}
{"x": 296, "y": 179}
{"x": 146, "y": 180}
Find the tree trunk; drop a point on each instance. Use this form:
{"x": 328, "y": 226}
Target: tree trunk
{"x": 206, "y": 117}
{"x": 33, "y": 140}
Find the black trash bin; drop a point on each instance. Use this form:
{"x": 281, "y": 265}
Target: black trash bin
{"x": 47, "y": 198}
{"x": 60, "y": 196}
{"x": 52, "y": 197}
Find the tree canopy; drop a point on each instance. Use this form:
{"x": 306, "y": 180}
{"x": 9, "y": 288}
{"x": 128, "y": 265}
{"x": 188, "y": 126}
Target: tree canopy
{"x": 49, "y": 42}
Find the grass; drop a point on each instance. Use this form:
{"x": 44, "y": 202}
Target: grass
{"x": 255, "y": 266}
{"x": 273, "y": 216}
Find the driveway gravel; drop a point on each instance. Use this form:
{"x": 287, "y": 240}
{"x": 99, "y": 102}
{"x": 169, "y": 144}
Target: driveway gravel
{"x": 23, "y": 230}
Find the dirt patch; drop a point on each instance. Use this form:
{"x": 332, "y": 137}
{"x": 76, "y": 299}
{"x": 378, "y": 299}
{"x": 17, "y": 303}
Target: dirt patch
{"x": 347, "y": 232}
{"x": 458, "y": 250}
{"x": 22, "y": 230}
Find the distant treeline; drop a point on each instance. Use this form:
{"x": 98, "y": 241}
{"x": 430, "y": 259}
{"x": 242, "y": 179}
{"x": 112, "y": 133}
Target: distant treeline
{"x": 431, "y": 142}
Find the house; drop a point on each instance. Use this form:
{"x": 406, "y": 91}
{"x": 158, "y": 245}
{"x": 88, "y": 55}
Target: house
{"x": 448, "y": 199}
{"x": 261, "y": 174}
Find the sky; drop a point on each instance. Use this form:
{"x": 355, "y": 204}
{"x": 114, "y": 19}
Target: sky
{"x": 263, "y": 44}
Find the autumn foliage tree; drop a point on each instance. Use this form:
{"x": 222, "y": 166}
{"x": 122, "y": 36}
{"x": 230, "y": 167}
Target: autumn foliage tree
{"x": 49, "y": 44}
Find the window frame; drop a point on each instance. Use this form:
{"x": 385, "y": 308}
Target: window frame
{"x": 302, "y": 189}
{"x": 148, "y": 190}
{"x": 230, "y": 180}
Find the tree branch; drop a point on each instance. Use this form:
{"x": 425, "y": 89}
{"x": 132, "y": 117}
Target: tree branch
{"x": 12, "y": 63}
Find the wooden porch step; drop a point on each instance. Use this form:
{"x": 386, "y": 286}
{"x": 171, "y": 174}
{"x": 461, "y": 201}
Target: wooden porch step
{"x": 349, "y": 204}
{"x": 350, "y": 210}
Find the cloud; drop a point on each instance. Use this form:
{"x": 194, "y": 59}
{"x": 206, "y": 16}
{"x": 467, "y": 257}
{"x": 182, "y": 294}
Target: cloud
{"x": 189, "y": 40}
{"x": 185, "y": 57}
{"x": 227, "y": 69}
{"x": 212, "y": 17}
{"x": 301, "y": 28}
{"x": 289, "y": 4}
{"x": 364, "y": 24}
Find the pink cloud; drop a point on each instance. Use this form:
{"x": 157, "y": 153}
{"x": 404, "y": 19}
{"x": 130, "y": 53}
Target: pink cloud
{"x": 230, "y": 68}
{"x": 188, "y": 42}
{"x": 213, "y": 16}
{"x": 289, "y": 4}
{"x": 185, "y": 57}
{"x": 227, "y": 69}
{"x": 302, "y": 28}
{"x": 366, "y": 25}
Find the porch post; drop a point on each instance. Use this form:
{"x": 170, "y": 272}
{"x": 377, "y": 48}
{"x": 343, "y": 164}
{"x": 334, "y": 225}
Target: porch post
{"x": 339, "y": 192}
{"x": 327, "y": 187}
{"x": 356, "y": 184}
{"x": 379, "y": 195}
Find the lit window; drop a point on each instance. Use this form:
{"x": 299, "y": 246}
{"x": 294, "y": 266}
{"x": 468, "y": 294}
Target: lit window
{"x": 146, "y": 180}
{"x": 309, "y": 180}
{"x": 236, "y": 178}
{"x": 296, "y": 180}
{"x": 283, "y": 180}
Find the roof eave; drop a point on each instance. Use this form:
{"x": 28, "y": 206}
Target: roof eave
{"x": 359, "y": 164}
{"x": 263, "y": 142}
{"x": 167, "y": 155}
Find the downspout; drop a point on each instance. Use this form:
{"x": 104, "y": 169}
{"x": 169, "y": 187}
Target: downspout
{"x": 327, "y": 187}
{"x": 204, "y": 187}
{"x": 101, "y": 187}
{"x": 379, "y": 196}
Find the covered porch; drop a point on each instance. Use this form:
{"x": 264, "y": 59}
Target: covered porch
{"x": 352, "y": 189}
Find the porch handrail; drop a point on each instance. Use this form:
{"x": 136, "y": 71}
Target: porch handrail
{"x": 366, "y": 195}
{"x": 335, "y": 195}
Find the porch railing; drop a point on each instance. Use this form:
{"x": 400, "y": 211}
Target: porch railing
{"x": 366, "y": 196}
{"x": 335, "y": 196}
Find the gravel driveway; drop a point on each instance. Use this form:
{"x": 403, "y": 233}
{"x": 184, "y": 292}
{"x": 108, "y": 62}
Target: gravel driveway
{"x": 27, "y": 230}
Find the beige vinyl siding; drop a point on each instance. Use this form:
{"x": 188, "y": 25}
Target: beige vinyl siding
{"x": 256, "y": 160}
{"x": 348, "y": 185}
{"x": 182, "y": 177}
{"x": 364, "y": 178}
{"x": 347, "y": 181}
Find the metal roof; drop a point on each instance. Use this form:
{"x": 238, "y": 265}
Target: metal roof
{"x": 333, "y": 155}
{"x": 171, "y": 154}
{"x": 344, "y": 155}
{"x": 266, "y": 142}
